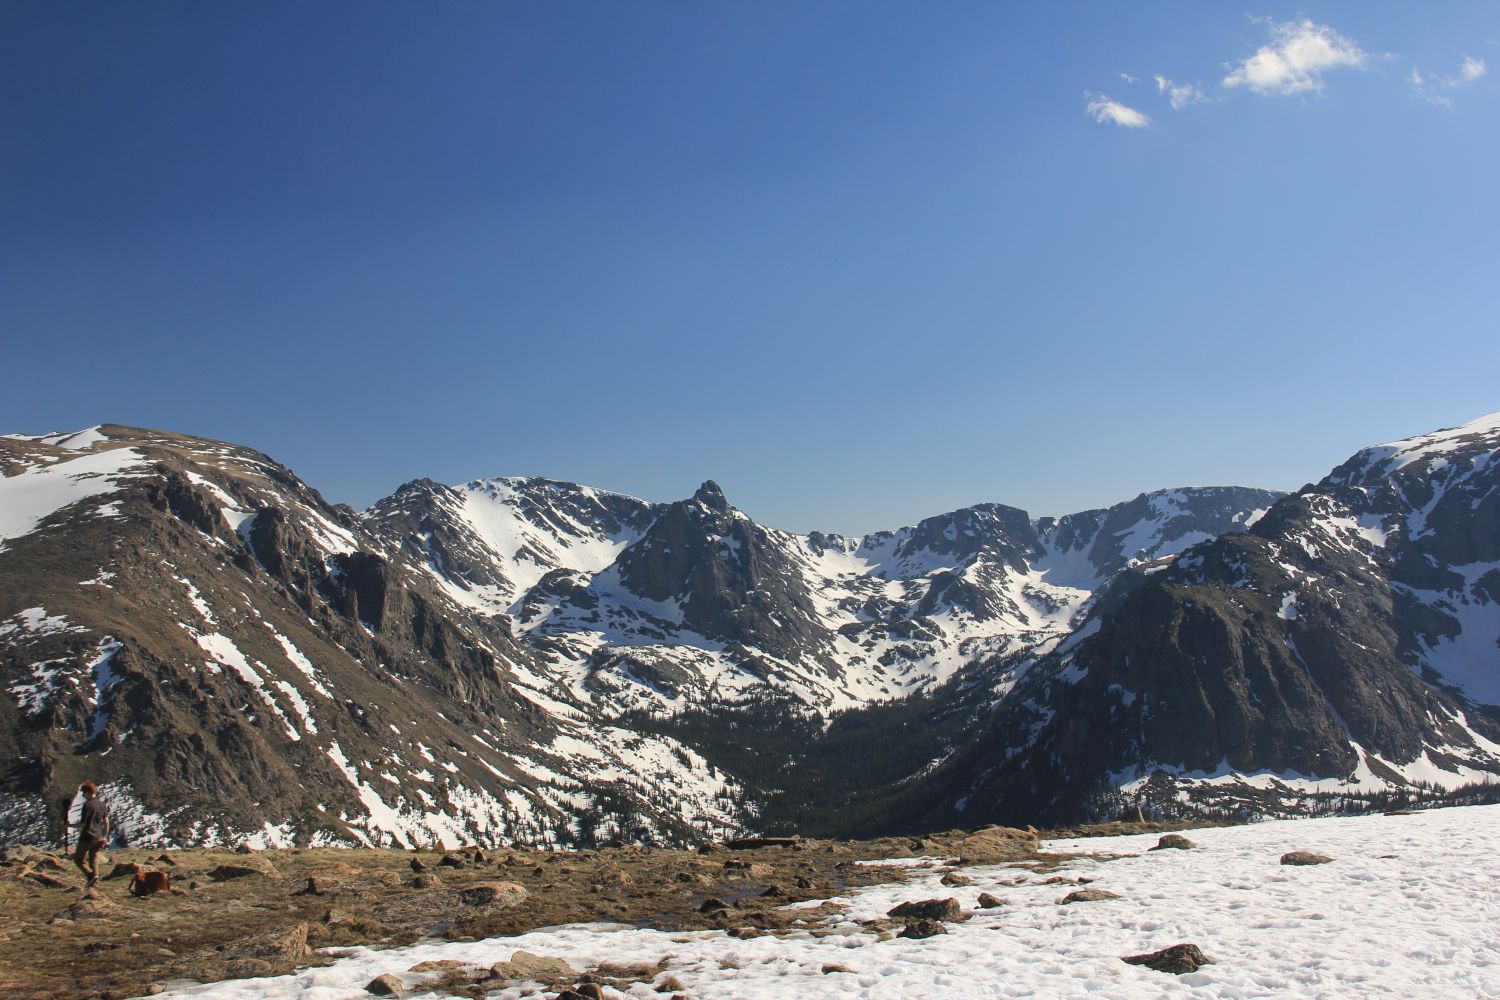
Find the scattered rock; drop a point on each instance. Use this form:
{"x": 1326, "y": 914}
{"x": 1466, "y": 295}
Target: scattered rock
{"x": 92, "y": 906}
{"x": 1177, "y": 959}
{"x": 123, "y": 869}
{"x": 287, "y": 943}
{"x": 499, "y": 895}
{"x": 919, "y": 929}
{"x": 385, "y": 985}
{"x": 311, "y": 889}
{"x": 426, "y": 880}
{"x": 259, "y": 869}
{"x": 1304, "y": 858}
{"x": 417, "y": 865}
{"x": 1174, "y": 842}
{"x": 441, "y": 965}
{"x": 593, "y": 991}
{"x": 751, "y": 843}
{"x": 524, "y": 966}
{"x": 928, "y": 909}
{"x": 749, "y": 869}
{"x": 18, "y": 853}
{"x": 988, "y": 902}
{"x": 1087, "y": 896}
{"x": 1397, "y": 812}
{"x": 955, "y": 879}
{"x": 244, "y": 849}
{"x": 831, "y": 968}
{"x": 1000, "y": 843}
{"x": 453, "y": 861}
{"x": 167, "y": 859}
{"x": 50, "y": 881}
{"x": 712, "y": 904}
{"x": 671, "y": 984}
{"x": 803, "y": 882}
{"x": 612, "y": 876}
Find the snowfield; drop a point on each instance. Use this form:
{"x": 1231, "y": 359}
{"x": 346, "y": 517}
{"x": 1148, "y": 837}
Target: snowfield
{"x": 1410, "y": 907}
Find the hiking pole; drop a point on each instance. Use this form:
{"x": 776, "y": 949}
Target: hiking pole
{"x": 67, "y": 807}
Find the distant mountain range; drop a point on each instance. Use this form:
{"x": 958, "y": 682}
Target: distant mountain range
{"x": 235, "y": 659}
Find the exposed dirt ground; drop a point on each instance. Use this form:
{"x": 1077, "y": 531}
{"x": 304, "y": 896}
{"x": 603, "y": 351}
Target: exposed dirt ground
{"x": 232, "y": 915}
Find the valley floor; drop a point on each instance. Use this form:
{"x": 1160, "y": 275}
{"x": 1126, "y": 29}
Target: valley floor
{"x": 1408, "y": 907}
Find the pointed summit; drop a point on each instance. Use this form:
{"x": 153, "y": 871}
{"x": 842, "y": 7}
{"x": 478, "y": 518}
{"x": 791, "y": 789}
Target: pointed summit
{"x": 711, "y": 496}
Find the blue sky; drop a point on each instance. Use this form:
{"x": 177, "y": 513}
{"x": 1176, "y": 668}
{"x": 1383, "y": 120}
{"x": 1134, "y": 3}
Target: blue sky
{"x": 859, "y": 262}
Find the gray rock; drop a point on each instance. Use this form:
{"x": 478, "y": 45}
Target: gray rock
{"x": 928, "y": 909}
{"x": 1178, "y": 959}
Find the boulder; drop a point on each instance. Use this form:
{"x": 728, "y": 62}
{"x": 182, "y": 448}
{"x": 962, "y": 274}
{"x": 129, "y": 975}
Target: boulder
{"x": 1174, "y": 842}
{"x": 1000, "y": 843}
{"x": 18, "y": 853}
{"x": 92, "y": 906}
{"x": 918, "y": 929}
{"x": 287, "y": 943}
{"x": 928, "y": 909}
{"x": 955, "y": 879}
{"x": 1178, "y": 959}
{"x": 498, "y": 895}
{"x": 523, "y": 966}
{"x": 752, "y": 843}
{"x": 612, "y": 876}
{"x": 988, "y": 902}
{"x": 50, "y": 881}
{"x": 250, "y": 869}
{"x": 1088, "y": 896}
{"x": 453, "y": 861}
{"x": 1304, "y": 858}
{"x": 385, "y": 985}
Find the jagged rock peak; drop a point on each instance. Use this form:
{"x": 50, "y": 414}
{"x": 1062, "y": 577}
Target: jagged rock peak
{"x": 711, "y": 496}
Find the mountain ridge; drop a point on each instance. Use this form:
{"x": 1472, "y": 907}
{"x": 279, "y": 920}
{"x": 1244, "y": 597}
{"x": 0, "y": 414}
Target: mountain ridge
{"x": 529, "y": 658}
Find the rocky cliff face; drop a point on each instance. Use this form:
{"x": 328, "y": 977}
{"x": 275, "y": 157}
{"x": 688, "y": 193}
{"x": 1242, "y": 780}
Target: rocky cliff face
{"x": 230, "y": 656}
{"x": 523, "y": 659}
{"x": 1349, "y": 641}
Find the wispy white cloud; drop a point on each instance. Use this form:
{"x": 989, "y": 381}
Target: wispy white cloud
{"x": 1130, "y": 79}
{"x": 1299, "y": 54}
{"x": 1430, "y": 86}
{"x": 1106, "y": 111}
{"x": 1180, "y": 95}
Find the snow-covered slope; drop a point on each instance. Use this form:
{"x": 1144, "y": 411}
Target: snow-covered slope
{"x": 233, "y": 658}
{"x": 662, "y": 607}
{"x": 1408, "y": 907}
{"x": 1349, "y": 641}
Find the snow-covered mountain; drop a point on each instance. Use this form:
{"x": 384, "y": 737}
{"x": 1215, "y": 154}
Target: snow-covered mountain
{"x": 525, "y": 659}
{"x": 1349, "y": 641}
{"x": 231, "y": 656}
{"x": 660, "y": 607}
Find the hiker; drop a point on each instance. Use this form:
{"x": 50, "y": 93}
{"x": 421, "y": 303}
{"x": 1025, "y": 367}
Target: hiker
{"x": 93, "y": 832}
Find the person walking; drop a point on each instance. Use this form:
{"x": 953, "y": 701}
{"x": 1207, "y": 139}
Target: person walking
{"x": 93, "y": 832}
